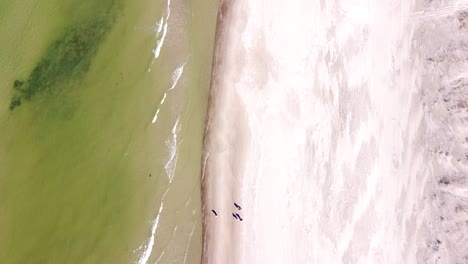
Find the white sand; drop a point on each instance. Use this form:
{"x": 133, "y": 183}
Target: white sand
{"x": 317, "y": 129}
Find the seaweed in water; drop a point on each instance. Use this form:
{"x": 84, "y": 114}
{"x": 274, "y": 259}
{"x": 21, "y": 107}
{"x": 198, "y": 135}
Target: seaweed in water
{"x": 66, "y": 59}
{"x": 17, "y": 84}
{"x": 15, "y": 102}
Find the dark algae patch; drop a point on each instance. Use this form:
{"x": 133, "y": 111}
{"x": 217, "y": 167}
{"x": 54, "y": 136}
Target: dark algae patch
{"x": 67, "y": 59}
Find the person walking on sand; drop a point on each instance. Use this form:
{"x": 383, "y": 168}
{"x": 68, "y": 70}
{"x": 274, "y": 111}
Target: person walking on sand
{"x": 239, "y": 217}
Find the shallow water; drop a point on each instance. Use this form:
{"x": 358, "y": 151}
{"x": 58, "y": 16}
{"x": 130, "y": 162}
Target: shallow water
{"x": 84, "y": 164}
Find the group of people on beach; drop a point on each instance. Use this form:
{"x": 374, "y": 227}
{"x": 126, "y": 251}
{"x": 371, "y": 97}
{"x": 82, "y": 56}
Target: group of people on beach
{"x": 235, "y": 215}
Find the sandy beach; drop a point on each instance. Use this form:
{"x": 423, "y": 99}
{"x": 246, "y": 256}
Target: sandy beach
{"x": 319, "y": 127}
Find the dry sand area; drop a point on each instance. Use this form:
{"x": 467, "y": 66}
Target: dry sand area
{"x": 340, "y": 128}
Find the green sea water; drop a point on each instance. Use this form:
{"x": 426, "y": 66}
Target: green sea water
{"x": 83, "y": 169}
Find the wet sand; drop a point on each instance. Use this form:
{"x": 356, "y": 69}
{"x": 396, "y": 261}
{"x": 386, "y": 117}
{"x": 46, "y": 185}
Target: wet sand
{"x": 220, "y": 180}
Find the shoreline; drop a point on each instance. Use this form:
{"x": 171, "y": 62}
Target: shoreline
{"x": 215, "y": 237}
